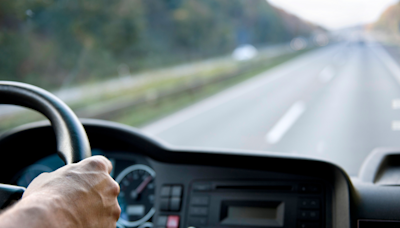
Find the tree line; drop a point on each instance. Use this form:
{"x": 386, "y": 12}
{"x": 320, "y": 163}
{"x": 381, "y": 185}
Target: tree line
{"x": 62, "y": 42}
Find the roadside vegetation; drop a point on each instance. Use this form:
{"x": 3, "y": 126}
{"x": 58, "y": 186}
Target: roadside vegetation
{"x": 63, "y": 43}
{"x": 135, "y": 61}
{"x": 144, "y": 102}
{"x": 142, "y": 114}
{"x": 387, "y": 28}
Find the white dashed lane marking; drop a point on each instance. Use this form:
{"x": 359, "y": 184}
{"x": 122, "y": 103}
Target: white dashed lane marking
{"x": 396, "y": 104}
{"x": 396, "y": 125}
{"x": 326, "y": 74}
{"x": 285, "y": 123}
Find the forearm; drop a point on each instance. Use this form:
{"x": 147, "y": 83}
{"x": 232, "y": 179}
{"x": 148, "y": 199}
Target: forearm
{"x": 36, "y": 212}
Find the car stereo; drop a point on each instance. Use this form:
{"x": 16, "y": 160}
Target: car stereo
{"x": 256, "y": 204}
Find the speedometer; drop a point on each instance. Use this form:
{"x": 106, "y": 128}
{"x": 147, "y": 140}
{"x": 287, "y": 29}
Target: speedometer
{"x": 136, "y": 197}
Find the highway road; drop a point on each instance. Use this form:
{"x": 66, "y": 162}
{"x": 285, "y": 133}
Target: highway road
{"x": 337, "y": 103}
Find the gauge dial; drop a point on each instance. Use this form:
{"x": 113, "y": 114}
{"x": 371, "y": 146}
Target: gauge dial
{"x": 136, "y": 197}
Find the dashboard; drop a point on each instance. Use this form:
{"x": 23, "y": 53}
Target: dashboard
{"x": 164, "y": 186}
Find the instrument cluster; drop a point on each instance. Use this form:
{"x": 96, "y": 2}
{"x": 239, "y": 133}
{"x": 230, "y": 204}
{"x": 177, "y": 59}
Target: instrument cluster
{"x": 132, "y": 172}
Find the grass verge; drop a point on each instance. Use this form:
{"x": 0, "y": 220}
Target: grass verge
{"x": 150, "y": 110}
{"x": 141, "y": 115}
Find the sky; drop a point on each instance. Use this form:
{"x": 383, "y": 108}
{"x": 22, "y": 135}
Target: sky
{"x": 335, "y": 14}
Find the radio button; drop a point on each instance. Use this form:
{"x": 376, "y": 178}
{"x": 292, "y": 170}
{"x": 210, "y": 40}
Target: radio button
{"x": 309, "y": 203}
{"x": 313, "y": 215}
{"x": 309, "y": 215}
{"x": 200, "y": 200}
{"x": 303, "y": 215}
{"x": 314, "y": 203}
{"x": 309, "y": 188}
{"x": 303, "y": 203}
{"x": 198, "y": 211}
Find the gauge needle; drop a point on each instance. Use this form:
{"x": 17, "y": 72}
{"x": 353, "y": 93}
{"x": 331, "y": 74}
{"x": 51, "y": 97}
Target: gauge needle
{"x": 141, "y": 187}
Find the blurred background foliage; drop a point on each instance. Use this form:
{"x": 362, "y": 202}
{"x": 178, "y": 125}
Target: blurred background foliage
{"x": 389, "y": 22}
{"x": 69, "y": 42}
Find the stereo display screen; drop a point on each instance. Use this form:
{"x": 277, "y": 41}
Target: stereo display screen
{"x": 252, "y": 214}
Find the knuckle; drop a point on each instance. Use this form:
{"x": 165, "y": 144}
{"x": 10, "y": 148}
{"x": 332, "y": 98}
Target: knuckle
{"x": 117, "y": 211}
{"x": 115, "y": 188}
{"x": 97, "y": 163}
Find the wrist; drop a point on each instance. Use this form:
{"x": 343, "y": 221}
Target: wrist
{"x": 38, "y": 210}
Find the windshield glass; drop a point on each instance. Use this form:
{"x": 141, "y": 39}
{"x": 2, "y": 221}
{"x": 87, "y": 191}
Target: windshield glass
{"x": 309, "y": 77}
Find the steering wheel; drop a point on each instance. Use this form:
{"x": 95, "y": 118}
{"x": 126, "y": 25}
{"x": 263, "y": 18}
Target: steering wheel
{"x": 72, "y": 141}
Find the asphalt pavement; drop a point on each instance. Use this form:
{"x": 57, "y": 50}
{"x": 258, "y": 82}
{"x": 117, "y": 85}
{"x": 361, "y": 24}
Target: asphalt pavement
{"x": 337, "y": 103}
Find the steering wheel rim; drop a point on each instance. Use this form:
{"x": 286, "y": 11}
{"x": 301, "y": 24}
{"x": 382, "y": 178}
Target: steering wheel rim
{"x": 72, "y": 141}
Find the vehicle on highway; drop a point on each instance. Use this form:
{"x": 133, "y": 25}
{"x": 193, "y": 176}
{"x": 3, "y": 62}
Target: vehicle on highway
{"x": 244, "y": 52}
{"x": 203, "y": 131}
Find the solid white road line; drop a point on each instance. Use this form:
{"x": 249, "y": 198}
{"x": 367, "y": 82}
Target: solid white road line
{"x": 387, "y": 60}
{"x": 394, "y": 68}
{"x": 285, "y": 123}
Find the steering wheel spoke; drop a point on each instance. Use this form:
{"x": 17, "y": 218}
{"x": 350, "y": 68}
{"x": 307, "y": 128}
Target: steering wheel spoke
{"x": 9, "y": 194}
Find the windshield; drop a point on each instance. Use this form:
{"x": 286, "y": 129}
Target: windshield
{"x": 311, "y": 77}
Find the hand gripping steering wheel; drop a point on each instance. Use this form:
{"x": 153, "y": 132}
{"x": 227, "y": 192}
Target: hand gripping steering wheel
{"x": 72, "y": 141}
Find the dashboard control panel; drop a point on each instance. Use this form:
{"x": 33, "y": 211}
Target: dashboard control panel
{"x": 254, "y": 204}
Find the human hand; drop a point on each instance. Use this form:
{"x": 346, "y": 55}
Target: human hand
{"x": 77, "y": 195}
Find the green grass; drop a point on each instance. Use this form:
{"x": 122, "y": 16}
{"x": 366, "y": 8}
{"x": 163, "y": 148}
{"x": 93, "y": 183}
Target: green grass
{"x": 144, "y": 114}
{"x": 139, "y": 115}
